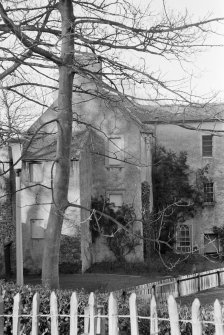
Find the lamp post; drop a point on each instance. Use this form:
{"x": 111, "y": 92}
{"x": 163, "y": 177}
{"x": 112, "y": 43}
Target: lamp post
{"x": 16, "y": 154}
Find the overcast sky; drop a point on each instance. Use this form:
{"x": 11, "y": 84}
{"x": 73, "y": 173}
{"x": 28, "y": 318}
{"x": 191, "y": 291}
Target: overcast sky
{"x": 207, "y": 67}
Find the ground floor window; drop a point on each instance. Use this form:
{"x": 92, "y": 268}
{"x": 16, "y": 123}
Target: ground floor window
{"x": 211, "y": 244}
{"x": 183, "y": 241}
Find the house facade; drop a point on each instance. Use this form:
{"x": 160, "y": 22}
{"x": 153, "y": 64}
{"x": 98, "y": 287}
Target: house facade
{"x": 111, "y": 157}
{"x": 200, "y": 134}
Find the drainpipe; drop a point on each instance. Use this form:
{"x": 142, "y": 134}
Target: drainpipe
{"x": 19, "y": 236}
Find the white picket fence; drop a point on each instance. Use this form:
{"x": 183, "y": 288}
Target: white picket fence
{"x": 180, "y": 286}
{"x": 97, "y": 323}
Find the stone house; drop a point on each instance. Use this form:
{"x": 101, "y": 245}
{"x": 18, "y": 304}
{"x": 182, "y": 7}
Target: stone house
{"x": 111, "y": 157}
{"x": 199, "y": 132}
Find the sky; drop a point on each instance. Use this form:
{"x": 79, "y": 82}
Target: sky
{"x": 206, "y": 69}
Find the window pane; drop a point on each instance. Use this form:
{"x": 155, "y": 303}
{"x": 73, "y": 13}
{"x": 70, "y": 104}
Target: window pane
{"x": 35, "y": 172}
{"x": 37, "y": 229}
{"x": 183, "y": 243}
{"x": 116, "y": 199}
{"x": 207, "y": 145}
{"x": 208, "y": 192}
{"x": 116, "y": 151}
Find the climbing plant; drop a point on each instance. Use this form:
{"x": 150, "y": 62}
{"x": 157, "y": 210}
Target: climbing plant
{"x": 120, "y": 239}
{"x": 176, "y": 198}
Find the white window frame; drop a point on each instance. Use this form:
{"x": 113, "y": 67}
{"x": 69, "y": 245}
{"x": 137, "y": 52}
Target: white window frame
{"x": 209, "y": 193}
{"x": 37, "y": 229}
{"x": 32, "y": 178}
{"x": 115, "y": 159}
{"x": 208, "y": 145}
{"x": 183, "y": 241}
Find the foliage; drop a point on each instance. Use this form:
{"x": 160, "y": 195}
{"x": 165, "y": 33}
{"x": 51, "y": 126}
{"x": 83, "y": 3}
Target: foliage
{"x": 69, "y": 261}
{"x": 121, "y": 241}
{"x": 175, "y": 199}
{"x": 27, "y": 292}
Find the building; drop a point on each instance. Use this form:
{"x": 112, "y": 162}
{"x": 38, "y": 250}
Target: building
{"x": 199, "y": 132}
{"x": 111, "y": 157}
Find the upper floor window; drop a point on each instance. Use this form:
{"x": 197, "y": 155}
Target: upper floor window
{"x": 207, "y": 145}
{"x": 37, "y": 228}
{"x": 35, "y": 172}
{"x": 116, "y": 150}
{"x": 209, "y": 192}
{"x": 116, "y": 199}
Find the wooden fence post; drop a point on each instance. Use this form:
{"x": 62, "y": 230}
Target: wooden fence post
{"x": 54, "y": 313}
{"x": 133, "y": 314}
{"x": 86, "y": 320}
{"x": 153, "y": 317}
{"x": 112, "y": 316}
{"x": 35, "y": 312}
{"x": 219, "y": 329}
{"x": 16, "y": 315}
{"x": 1, "y": 313}
{"x": 92, "y": 312}
{"x": 218, "y": 275}
{"x": 74, "y": 314}
{"x": 178, "y": 287}
{"x": 100, "y": 322}
{"x": 199, "y": 286}
{"x": 174, "y": 317}
{"x": 196, "y": 318}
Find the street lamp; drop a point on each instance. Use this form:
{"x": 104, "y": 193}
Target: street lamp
{"x": 17, "y": 165}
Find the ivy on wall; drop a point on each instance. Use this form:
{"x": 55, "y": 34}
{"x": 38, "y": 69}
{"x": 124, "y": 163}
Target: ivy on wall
{"x": 120, "y": 241}
{"x": 176, "y": 198}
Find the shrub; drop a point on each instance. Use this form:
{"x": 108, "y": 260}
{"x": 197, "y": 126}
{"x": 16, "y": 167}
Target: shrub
{"x": 10, "y": 289}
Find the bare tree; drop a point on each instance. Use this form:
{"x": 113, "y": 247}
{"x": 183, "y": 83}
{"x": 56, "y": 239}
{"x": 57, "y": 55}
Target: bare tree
{"x": 40, "y": 37}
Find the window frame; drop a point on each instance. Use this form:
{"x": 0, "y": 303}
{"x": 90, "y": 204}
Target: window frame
{"x": 183, "y": 242}
{"x": 207, "y": 148}
{"x": 209, "y": 192}
{"x": 30, "y": 171}
{"x": 42, "y": 229}
{"x": 109, "y": 159}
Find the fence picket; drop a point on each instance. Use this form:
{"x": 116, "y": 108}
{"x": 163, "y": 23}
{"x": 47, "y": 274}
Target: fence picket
{"x": 112, "y": 316}
{"x": 1, "y": 313}
{"x": 100, "y": 322}
{"x": 133, "y": 314}
{"x": 92, "y": 312}
{"x": 174, "y": 317}
{"x": 16, "y": 314}
{"x": 153, "y": 317}
{"x": 54, "y": 313}
{"x": 35, "y": 312}
{"x": 219, "y": 329}
{"x": 86, "y": 320}
{"x": 74, "y": 314}
{"x": 196, "y": 318}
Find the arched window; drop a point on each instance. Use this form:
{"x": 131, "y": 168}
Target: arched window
{"x": 183, "y": 243}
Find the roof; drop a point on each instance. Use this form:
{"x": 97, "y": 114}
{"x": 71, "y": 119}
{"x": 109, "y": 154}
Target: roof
{"x": 180, "y": 114}
{"x": 43, "y": 146}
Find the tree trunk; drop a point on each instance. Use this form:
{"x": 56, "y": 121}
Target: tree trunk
{"x": 50, "y": 271}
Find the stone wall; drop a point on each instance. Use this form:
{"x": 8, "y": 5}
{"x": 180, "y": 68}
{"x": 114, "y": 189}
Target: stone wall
{"x": 179, "y": 139}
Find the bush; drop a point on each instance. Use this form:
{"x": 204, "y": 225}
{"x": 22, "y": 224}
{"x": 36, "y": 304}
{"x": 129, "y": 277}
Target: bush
{"x": 69, "y": 268}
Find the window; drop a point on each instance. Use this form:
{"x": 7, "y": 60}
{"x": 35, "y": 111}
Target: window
{"x": 208, "y": 193}
{"x": 183, "y": 239}
{"x": 35, "y": 172}
{"x": 37, "y": 228}
{"x": 116, "y": 150}
{"x": 207, "y": 145}
{"x": 211, "y": 243}
{"x": 116, "y": 199}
